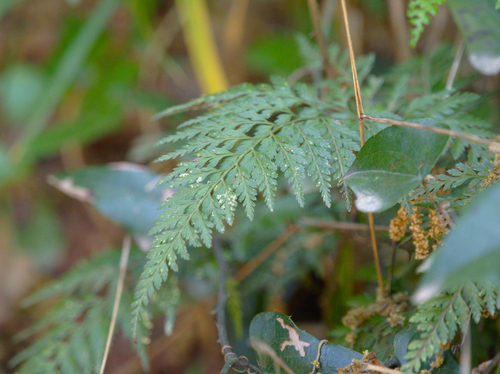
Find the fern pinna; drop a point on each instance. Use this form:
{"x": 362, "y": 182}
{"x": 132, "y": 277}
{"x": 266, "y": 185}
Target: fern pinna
{"x": 250, "y": 135}
{"x": 438, "y": 320}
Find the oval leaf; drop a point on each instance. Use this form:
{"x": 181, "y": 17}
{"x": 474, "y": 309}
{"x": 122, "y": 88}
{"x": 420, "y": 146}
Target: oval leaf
{"x": 471, "y": 251}
{"x": 123, "y": 192}
{"x": 393, "y": 163}
{"x": 401, "y": 341}
{"x": 296, "y": 348}
{"x": 479, "y": 24}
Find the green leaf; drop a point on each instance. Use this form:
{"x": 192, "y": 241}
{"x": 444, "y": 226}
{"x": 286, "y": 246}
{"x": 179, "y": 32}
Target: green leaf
{"x": 393, "y": 163}
{"x": 419, "y": 14}
{"x": 479, "y": 24}
{"x": 295, "y": 347}
{"x": 124, "y": 192}
{"x": 401, "y": 341}
{"x": 20, "y": 87}
{"x": 471, "y": 251}
{"x": 69, "y": 66}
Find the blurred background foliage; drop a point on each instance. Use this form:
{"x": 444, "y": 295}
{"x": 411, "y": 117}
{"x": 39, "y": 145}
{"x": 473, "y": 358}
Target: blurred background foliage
{"x": 79, "y": 83}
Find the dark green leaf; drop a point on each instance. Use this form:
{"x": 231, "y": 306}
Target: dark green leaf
{"x": 295, "y": 347}
{"x": 401, "y": 341}
{"x": 479, "y": 24}
{"x": 471, "y": 251}
{"x": 393, "y": 163}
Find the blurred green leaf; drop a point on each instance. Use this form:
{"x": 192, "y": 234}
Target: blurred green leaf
{"x": 68, "y": 68}
{"x": 6, "y": 5}
{"x": 276, "y": 54}
{"x": 20, "y": 87}
{"x": 471, "y": 251}
{"x": 479, "y": 24}
{"x": 393, "y": 163}
{"x": 42, "y": 236}
{"x": 295, "y": 347}
{"x": 7, "y": 170}
{"x": 124, "y": 192}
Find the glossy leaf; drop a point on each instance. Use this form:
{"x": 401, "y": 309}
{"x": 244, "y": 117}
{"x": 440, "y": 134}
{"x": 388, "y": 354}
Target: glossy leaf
{"x": 479, "y": 24}
{"x": 393, "y": 163}
{"x": 295, "y": 347}
{"x": 124, "y": 192}
{"x": 471, "y": 251}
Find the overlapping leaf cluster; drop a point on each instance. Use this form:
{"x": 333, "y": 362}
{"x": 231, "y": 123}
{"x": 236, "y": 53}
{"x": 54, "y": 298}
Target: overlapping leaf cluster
{"x": 240, "y": 148}
{"x": 438, "y": 320}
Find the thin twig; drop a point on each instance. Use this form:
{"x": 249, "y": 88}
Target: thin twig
{"x": 263, "y": 255}
{"x": 390, "y": 272}
{"x": 357, "y": 93}
{"x": 359, "y": 108}
{"x": 227, "y": 350}
{"x": 455, "y": 65}
{"x": 334, "y": 225}
{"x": 262, "y": 348}
{"x": 119, "y": 289}
{"x": 315, "y": 18}
{"x": 381, "y": 369}
{"x": 493, "y": 146}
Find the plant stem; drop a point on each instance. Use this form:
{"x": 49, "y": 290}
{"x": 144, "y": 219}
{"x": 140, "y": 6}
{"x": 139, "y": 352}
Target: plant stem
{"x": 359, "y": 108}
{"x": 455, "y": 65}
{"x": 201, "y": 45}
{"x": 253, "y": 264}
{"x": 230, "y": 358}
{"x": 493, "y": 145}
{"x": 315, "y": 18}
{"x": 119, "y": 290}
{"x": 334, "y": 225}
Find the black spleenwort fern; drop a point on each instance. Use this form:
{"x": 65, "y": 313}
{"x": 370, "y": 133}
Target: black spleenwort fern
{"x": 240, "y": 148}
{"x": 438, "y": 320}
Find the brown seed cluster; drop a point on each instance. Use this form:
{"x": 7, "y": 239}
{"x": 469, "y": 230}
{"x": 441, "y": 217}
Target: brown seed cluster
{"x": 398, "y": 225}
{"x": 419, "y": 235}
{"x": 437, "y": 227}
{"x": 390, "y": 307}
{"x": 435, "y": 231}
{"x": 357, "y": 366}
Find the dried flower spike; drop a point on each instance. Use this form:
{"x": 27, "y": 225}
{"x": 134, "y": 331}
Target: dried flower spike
{"x": 419, "y": 235}
{"x": 398, "y": 225}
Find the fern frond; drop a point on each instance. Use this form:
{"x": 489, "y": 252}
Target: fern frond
{"x": 419, "y": 14}
{"x": 454, "y": 178}
{"x": 439, "y": 319}
{"x": 451, "y": 110}
{"x": 239, "y": 148}
{"x": 72, "y": 336}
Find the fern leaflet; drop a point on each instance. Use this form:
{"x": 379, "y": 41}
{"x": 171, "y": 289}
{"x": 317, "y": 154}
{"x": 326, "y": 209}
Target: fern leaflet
{"x": 240, "y": 147}
{"x": 439, "y": 319}
{"x": 419, "y": 14}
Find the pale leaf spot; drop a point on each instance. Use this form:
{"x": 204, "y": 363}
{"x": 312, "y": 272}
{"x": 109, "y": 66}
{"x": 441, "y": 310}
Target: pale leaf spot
{"x": 294, "y": 339}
